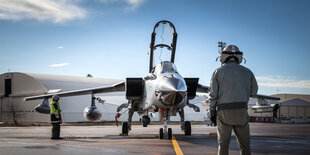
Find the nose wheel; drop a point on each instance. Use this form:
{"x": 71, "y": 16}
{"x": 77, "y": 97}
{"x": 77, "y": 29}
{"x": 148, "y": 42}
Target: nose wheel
{"x": 168, "y": 133}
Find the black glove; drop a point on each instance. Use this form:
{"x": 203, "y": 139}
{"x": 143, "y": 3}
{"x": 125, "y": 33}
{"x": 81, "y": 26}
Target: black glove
{"x": 212, "y": 116}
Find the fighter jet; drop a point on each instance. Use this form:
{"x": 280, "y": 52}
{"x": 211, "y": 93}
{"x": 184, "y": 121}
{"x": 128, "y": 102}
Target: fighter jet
{"x": 163, "y": 90}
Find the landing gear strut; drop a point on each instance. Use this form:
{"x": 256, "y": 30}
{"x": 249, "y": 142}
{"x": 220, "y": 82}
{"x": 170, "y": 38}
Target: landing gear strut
{"x": 165, "y": 131}
{"x": 126, "y": 127}
{"x": 185, "y": 125}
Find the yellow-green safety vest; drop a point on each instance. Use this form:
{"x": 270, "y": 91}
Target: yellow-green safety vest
{"x": 55, "y": 111}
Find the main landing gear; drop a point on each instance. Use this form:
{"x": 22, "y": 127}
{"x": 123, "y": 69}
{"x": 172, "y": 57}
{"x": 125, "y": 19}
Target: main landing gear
{"x": 187, "y": 128}
{"x": 126, "y": 126}
{"x": 185, "y": 125}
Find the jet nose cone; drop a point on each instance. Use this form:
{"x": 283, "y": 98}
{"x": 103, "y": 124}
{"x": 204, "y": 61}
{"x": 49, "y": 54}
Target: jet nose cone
{"x": 174, "y": 84}
{"x": 171, "y": 90}
{"x": 172, "y": 98}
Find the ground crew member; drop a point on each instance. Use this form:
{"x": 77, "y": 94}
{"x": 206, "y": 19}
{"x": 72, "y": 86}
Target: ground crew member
{"x": 230, "y": 89}
{"x": 55, "y": 117}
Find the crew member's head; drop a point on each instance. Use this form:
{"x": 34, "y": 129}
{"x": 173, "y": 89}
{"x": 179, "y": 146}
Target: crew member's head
{"x": 229, "y": 52}
{"x": 55, "y": 98}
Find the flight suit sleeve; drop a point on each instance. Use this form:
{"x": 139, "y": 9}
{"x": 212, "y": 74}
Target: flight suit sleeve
{"x": 254, "y": 87}
{"x": 214, "y": 89}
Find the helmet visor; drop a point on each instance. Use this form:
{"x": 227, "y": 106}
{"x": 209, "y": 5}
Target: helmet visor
{"x": 232, "y": 53}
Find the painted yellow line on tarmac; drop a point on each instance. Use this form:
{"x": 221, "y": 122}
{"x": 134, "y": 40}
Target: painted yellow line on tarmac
{"x": 213, "y": 133}
{"x": 176, "y": 146}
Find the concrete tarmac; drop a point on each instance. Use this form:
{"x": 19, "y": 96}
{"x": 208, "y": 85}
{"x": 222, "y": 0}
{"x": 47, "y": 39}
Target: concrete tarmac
{"x": 265, "y": 139}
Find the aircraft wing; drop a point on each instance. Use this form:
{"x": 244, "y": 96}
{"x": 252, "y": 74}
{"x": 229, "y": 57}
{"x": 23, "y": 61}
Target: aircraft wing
{"x": 205, "y": 89}
{"x": 266, "y": 97}
{"x": 103, "y": 89}
{"x": 262, "y": 105}
{"x": 202, "y": 89}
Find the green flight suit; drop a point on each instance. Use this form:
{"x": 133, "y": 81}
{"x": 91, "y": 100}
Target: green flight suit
{"x": 230, "y": 89}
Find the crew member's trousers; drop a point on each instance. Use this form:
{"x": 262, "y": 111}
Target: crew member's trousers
{"x": 237, "y": 120}
{"x": 55, "y": 130}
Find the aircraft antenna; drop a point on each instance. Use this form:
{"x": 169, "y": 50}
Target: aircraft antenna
{"x": 221, "y": 45}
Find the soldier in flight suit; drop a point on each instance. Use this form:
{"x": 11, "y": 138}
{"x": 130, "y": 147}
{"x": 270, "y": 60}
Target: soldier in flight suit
{"x": 230, "y": 89}
{"x": 55, "y": 117}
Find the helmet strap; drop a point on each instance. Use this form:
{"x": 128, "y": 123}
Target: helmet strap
{"x": 229, "y": 59}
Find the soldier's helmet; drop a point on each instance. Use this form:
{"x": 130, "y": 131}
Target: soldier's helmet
{"x": 55, "y": 98}
{"x": 231, "y": 51}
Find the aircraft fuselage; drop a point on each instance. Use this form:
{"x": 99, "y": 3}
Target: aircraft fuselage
{"x": 164, "y": 88}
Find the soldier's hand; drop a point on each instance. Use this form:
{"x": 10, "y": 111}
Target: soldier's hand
{"x": 213, "y": 116}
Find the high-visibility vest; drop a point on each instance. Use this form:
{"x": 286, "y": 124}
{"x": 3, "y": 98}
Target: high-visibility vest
{"x": 55, "y": 109}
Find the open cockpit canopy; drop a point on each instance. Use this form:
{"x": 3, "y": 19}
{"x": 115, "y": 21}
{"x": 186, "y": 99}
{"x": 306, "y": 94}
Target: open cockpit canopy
{"x": 165, "y": 67}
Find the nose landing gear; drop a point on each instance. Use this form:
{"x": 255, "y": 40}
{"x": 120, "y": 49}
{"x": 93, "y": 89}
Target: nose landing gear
{"x": 161, "y": 133}
{"x": 165, "y": 131}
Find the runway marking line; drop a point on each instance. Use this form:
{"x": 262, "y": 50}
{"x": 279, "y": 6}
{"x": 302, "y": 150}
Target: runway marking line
{"x": 176, "y": 146}
{"x": 213, "y": 133}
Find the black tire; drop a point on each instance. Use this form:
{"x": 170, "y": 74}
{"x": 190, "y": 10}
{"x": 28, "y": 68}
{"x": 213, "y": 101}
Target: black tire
{"x": 125, "y": 128}
{"x": 169, "y": 133}
{"x": 188, "y": 128}
{"x": 161, "y": 133}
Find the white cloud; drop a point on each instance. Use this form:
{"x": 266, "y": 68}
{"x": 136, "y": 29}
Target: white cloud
{"x": 282, "y": 82}
{"x": 60, "y": 47}
{"x": 57, "y": 11}
{"x": 59, "y": 65}
{"x": 132, "y": 5}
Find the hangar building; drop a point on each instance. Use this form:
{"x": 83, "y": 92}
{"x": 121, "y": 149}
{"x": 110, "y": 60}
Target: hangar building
{"x": 15, "y": 86}
{"x": 292, "y": 109}
{"x": 295, "y": 107}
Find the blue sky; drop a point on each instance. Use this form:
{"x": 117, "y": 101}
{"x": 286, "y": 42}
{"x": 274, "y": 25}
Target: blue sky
{"x": 110, "y": 38}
